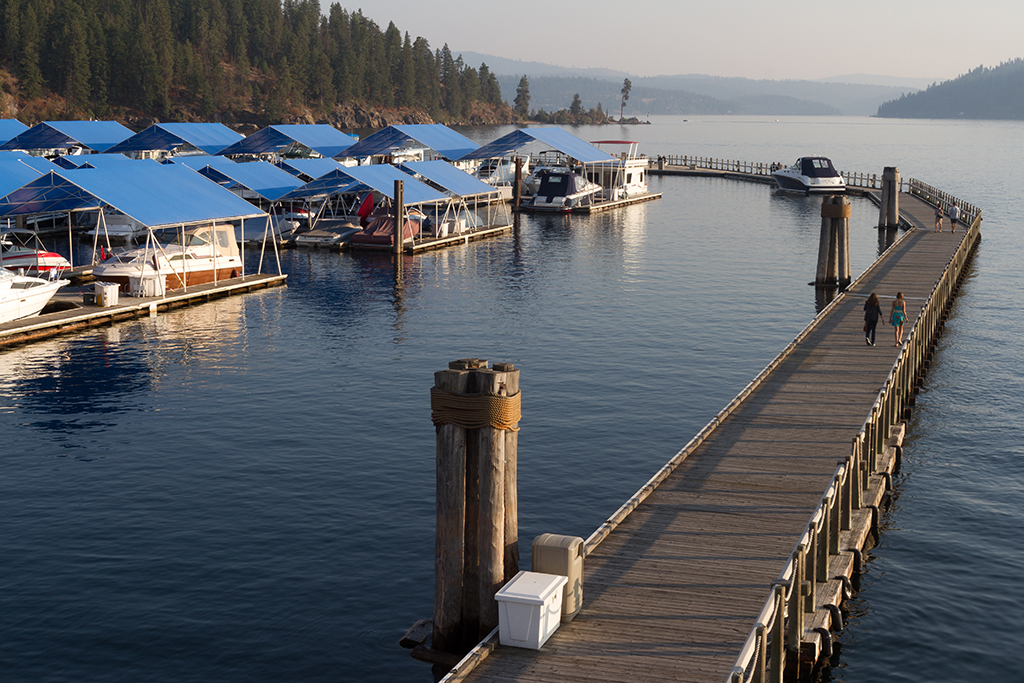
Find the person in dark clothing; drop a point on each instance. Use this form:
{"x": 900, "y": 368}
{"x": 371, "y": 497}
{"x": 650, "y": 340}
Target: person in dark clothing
{"x": 872, "y": 312}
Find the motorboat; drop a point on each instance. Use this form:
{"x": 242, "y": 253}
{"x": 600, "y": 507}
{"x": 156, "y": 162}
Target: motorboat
{"x": 174, "y": 258}
{"x": 329, "y": 232}
{"x": 21, "y": 250}
{"x": 116, "y": 226}
{"x": 810, "y": 174}
{"x": 625, "y": 176}
{"x": 255, "y": 229}
{"x": 501, "y": 173}
{"x": 22, "y": 296}
{"x": 563, "y": 190}
{"x": 380, "y": 230}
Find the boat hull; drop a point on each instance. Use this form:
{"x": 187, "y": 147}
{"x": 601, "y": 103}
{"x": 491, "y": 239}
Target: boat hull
{"x": 23, "y": 297}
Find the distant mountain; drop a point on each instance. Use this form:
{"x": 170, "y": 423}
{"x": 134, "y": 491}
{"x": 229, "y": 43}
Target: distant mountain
{"x": 996, "y": 93}
{"x": 693, "y": 93}
{"x": 901, "y": 82}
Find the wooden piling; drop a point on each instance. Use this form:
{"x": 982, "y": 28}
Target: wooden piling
{"x": 399, "y": 209}
{"x": 834, "y": 243}
{"x": 889, "y": 211}
{"x": 477, "y": 525}
{"x": 517, "y": 186}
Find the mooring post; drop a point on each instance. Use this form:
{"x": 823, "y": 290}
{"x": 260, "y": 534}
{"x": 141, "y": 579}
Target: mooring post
{"x": 834, "y": 243}
{"x": 889, "y": 211}
{"x": 517, "y": 186}
{"x": 476, "y": 413}
{"x": 399, "y": 216}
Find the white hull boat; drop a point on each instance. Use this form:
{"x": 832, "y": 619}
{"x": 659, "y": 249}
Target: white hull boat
{"x": 810, "y": 175}
{"x": 22, "y": 296}
{"x": 562, "y": 191}
{"x": 19, "y": 252}
{"x": 175, "y": 259}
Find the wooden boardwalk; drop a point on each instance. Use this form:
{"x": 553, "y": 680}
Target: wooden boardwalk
{"x": 673, "y": 591}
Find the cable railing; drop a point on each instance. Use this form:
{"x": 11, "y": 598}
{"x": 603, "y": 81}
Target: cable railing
{"x": 780, "y": 627}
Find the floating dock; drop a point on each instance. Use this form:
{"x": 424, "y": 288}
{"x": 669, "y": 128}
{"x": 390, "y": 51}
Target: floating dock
{"x": 70, "y": 313}
{"x": 731, "y": 563}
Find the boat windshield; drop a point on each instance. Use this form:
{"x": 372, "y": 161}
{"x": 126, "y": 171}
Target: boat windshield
{"x": 174, "y": 236}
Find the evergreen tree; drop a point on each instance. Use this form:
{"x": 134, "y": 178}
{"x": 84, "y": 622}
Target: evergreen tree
{"x": 405, "y": 95}
{"x": 68, "y": 54}
{"x": 522, "y": 100}
{"x": 576, "y": 108}
{"x": 626, "y": 87}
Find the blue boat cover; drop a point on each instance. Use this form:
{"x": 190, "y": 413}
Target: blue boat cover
{"x": 443, "y": 140}
{"x": 261, "y": 177}
{"x": 9, "y": 128}
{"x": 208, "y": 137}
{"x": 155, "y": 195}
{"x": 552, "y": 136}
{"x": 311, "y": 168}
{"x": 379, "y": 177}
{"x": 323, "y": 139}
{"x": 98, "y": 136}
{"x": 443, "y": 174}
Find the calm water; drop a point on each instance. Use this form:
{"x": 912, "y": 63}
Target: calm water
{"x": 244, "y": 490}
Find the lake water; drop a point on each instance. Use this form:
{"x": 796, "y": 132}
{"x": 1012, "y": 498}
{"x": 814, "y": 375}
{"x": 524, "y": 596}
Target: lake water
{"x": 244, "y": 490}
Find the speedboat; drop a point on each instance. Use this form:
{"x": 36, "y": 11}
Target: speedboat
{"x": 21, "y": 250}
{"x": 380, "y": 230}
{"x": 562, "y": 190}
{"x": 810, "y": 174}
{"x": 22, "y": 296}
{"x": 194, "y": 256}
{"x": 329, "y": 232}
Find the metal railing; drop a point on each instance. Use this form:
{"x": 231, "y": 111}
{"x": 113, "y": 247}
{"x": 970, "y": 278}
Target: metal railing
{"x": 780, "y": 625}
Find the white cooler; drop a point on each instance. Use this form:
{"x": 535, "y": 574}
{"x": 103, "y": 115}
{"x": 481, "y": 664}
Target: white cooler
{"x": 106, "y": 294}
{"x": 529, "y": 609}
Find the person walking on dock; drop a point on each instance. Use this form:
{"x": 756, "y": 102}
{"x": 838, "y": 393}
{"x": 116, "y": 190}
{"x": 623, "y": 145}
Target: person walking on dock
{"x": 898, "y": 316}
{"x": 954, "y": 216}
{"x": 938, "y": 219}
{"x": 872, "y": 312}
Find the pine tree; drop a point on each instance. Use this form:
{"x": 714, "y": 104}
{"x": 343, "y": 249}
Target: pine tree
{"x": 522, "y": 100}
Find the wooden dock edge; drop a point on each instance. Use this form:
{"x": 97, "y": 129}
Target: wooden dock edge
{"x": 72, "y": 320}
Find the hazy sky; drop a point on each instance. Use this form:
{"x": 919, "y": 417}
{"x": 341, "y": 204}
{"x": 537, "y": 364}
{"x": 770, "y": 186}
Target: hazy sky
{"x": 778, "y": 39}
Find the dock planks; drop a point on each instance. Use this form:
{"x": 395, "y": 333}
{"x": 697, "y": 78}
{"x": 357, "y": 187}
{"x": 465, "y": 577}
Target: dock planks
{"x": 672, "y": 592}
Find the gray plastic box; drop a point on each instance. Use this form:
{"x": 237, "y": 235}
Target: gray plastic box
{"x": 562, "y": 555}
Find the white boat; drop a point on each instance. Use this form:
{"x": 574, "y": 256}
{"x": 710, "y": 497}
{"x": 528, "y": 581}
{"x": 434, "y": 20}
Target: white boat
{"x": 256, "y": 229}
{"x": 810, "y": 174}
{"x": 624, "y": 177}
{"x": 560, "y": 189}
{"x": 22, "y": 296}
{"x": 501, "y": 174}
{"x": 179, "y": 258}
{"x": 21, "y": 250}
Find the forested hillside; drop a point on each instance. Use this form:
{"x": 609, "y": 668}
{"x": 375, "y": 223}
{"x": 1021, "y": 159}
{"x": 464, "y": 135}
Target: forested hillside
{"x": 256, "y": 61}
{"x": 996, "y": 93}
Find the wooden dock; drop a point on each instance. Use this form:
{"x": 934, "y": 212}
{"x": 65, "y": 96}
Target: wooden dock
{"x": 74, "y": 314}
{"x": 733, "y": 559}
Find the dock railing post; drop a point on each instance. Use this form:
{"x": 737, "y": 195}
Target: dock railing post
{"x": 834, "y": 243}
{"x": 399, "y": 216}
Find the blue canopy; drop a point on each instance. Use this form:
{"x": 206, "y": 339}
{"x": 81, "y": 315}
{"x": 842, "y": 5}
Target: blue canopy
{"x": 261, "y": 177}
{"x": 155, "y": 195}
{"x": 202, "y": 161}
{"x": 335, "y": 182}
{"x": 309, "y": 168}
{"x": 443, "y": 174}
{"x": 443, "y": 140}
{"x": 207, "y": 137}
{"x": 323, "y": 139}
{"x": 14, "y": 173}
{"x": 380, "y": 177}
{"x": 110, "y": 160}
{"x": 98, "y": 136}
{"x": 9, "y": 128}
{"x": 41, "y": 164}
{"x": 553, "y": 137}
